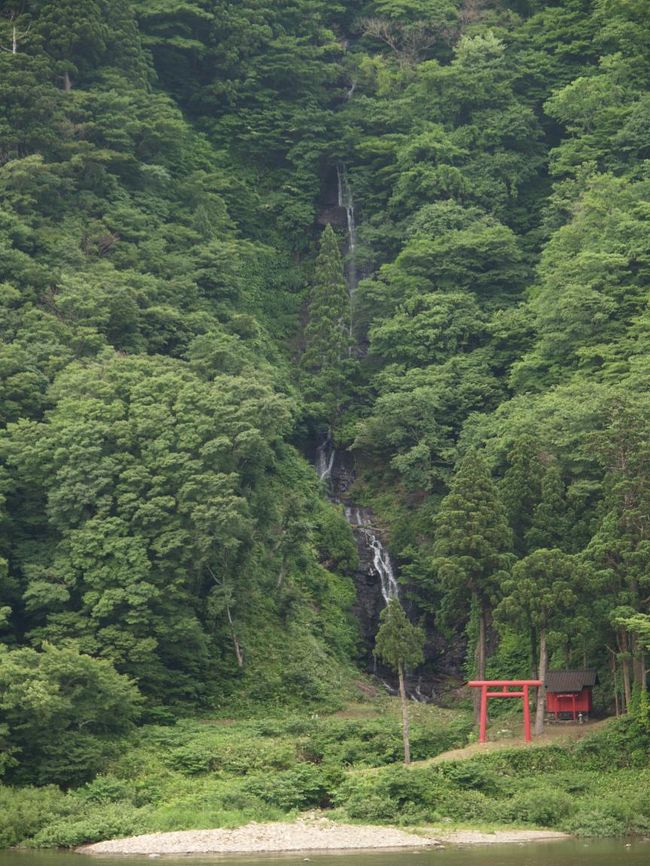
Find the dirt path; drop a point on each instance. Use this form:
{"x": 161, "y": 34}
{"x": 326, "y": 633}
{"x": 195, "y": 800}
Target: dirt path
{"x": 560, "y": 734}
{"x": 308, "y": 834}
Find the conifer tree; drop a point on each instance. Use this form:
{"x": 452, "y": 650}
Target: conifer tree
{"x": 400, "y": 644}
{"x": 75, "y": 34}
{"x": 541, "y": 593}
{"x": 472, "y": 547}
{"x": 619, "y": 551}
{"x": 520, "y": 488}
{"x": 327, "y": 334}
{"x": 549, "y": 524}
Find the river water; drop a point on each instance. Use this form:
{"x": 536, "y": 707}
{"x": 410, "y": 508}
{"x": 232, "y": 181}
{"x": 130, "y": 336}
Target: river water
{"x": 617, "y": 852}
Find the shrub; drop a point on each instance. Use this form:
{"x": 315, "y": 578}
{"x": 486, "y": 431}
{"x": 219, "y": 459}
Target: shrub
{"x": 24, "y": 811}
{"x": 544, "y": 806}
{"x": 105, "y": 789}
{"x": 106, "y": 822}
{"x": 395, "y": 794}
{"x": 210, "y": 752}
{"x": 302, "y": 787}
{"x": 515, "y": 762}
{"x": 367, "y": 743}
{"x": 594, "y": 820}
{"x": 463, "y": 805}
{"x": 471, "y": 775}
{"x": 433, "y": 738}
{"x": 622, "y": 743}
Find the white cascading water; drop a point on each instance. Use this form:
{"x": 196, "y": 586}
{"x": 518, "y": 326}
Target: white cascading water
{"x": 346, "y": 201}
{"x": 325, "y": 456}
{"x": 359, "y": 519}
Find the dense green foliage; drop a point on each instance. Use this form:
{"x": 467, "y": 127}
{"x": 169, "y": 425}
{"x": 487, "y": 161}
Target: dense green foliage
{"x": 400, "y": 644}
{"x": 178, "y": 332}
{"x": 202, "y": 774}
{"x": 64, "y": 713}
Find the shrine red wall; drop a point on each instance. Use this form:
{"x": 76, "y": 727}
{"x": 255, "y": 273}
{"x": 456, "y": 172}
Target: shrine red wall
{"x": 561, "y": 703}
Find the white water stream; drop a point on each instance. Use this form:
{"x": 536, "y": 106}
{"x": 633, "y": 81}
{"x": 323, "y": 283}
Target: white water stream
{"x": 359, "y": 519}
{"x": 346, "y": 201}
{"x": 325, "y": 456}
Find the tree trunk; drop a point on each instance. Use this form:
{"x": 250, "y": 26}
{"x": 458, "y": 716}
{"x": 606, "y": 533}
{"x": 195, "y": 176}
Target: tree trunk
{"x": 534, "y": 661}
{"x": 534, "y": 666}
{"x": 615, "y": 681}
{"x": 638, "y": 663}
{"x": 405, "y": 716}
{"x": 67, "y": 83}
{"x": 541, "y": 691}
{"x": 239, "y": 655}
{"x": 644, "y": 673}
{"x": 480, "y": 657}
{"x": 625, "y": 669}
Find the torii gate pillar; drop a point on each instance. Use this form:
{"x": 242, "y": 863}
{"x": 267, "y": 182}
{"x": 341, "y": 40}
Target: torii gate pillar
{"x": 505, "y": 687}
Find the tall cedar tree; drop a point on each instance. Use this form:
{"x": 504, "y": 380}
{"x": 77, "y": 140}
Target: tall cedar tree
{"x": 619, "y": 551}
{"x": 520, "y": 488}
{"x": 400, "y": 644}
{"x": 550, "y": 524}
{"x": 472, "y": 547}
{"x": 541, "y": 592}
{"x": 327, "y": 335}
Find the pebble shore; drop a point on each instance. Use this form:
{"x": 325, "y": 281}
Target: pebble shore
{"x": 317, "y": 834}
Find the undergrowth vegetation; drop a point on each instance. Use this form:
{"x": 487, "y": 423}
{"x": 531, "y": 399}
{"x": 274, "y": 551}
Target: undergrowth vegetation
{"x": 224, "y": 773}
{"x": 200, "y": 774}
{"x": 598, "y": 786}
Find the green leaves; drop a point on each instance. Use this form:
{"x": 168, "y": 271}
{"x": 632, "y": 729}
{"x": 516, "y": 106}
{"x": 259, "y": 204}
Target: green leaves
{"x": 63, "y": 711}
{"x": 399, "y": 643}
{"x": 542, "y": 590}
{"x": 472, "y": 538}
{"x": 326, "y": 358}
{"x": 146, "y": 470}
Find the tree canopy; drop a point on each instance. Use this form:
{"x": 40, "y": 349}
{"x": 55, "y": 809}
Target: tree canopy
{"x": 228, "y": 227}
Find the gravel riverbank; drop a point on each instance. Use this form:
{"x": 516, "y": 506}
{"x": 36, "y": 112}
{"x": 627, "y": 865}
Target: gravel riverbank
{"x": 317, "y": 834}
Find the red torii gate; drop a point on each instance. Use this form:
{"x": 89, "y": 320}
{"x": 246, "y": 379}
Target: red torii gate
{"x": 505, "y": 686}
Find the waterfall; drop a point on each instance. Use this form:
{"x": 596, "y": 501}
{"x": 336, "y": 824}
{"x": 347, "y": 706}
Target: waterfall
{"x": 346, "y": 201}
{"x": 378, "y": 558}
{"x": 325, "y": 456}
{"x": 375, "y": 574}
{"x": 359, "y": 519}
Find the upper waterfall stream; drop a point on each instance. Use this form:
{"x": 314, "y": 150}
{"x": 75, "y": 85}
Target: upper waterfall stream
{"x": 346, "y": 201}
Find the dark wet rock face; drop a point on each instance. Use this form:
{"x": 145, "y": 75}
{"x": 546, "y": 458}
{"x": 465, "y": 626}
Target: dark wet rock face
{"x": 376, "y": 581}
{"x": 376, "y": 576}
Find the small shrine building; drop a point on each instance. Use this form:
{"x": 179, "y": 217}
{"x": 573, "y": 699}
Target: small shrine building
{"x": 568, "y": 693}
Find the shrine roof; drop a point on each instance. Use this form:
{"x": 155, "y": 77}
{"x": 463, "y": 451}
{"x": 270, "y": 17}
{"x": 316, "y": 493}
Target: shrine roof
{"x": 570, "y": 681}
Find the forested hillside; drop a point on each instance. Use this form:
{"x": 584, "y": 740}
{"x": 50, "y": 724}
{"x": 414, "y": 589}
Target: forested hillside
{"x": 234, "y": 230}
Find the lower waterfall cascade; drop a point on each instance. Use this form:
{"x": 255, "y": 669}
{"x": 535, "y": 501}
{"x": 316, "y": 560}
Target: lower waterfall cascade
{"x": 375, "y": 579}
